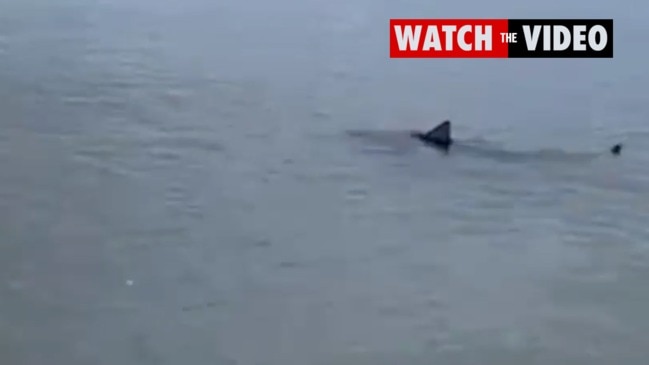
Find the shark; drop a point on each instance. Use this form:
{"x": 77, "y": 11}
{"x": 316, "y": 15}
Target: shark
{"x": 440, "y": 137}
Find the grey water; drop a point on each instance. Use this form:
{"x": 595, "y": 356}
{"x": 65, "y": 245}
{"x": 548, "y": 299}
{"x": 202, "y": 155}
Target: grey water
{"x": 181, "y": 183}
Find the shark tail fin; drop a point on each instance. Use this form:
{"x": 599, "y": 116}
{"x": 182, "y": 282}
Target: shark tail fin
{"x": 441, "y": 133}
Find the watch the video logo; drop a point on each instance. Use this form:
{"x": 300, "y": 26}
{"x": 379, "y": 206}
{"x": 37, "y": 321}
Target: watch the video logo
{"x": 501, "y": 38}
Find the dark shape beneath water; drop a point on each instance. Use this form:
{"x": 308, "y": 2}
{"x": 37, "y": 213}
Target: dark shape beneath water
{"x": 440, "y": 137}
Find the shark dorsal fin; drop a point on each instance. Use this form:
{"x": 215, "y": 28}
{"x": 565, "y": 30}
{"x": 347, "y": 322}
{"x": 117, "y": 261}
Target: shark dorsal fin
{"x": 440, "y": 134}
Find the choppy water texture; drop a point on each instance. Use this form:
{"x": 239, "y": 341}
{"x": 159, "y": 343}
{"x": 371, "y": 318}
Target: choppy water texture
{"x": 225, "y": 182}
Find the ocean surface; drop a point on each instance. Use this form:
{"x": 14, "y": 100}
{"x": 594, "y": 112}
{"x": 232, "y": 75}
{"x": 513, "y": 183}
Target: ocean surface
{"x": 231, "y": 182}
